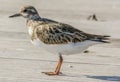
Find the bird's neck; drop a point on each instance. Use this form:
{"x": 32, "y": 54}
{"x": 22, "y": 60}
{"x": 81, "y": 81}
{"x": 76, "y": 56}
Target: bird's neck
{"x": 34, "y": 17}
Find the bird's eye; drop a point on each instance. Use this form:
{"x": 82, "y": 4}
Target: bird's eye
{"x": 25, "y": 10}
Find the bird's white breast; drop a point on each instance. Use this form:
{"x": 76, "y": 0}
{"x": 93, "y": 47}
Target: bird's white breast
{"x": 30, "y": 30}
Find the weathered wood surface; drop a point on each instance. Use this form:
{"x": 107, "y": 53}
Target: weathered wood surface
{"x": 20, "y": 61}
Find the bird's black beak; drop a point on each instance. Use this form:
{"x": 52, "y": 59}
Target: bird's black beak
{"x": 15, "y": 15}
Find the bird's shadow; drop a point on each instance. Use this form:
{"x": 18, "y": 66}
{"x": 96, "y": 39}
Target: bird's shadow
{"x": 107, "y": 78}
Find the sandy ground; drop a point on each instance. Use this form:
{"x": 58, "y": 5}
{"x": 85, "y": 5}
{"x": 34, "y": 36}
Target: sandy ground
{"x": 20, "y": 61}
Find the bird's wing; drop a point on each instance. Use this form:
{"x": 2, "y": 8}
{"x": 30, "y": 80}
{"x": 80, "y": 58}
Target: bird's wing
{"x": 60, "y": 33}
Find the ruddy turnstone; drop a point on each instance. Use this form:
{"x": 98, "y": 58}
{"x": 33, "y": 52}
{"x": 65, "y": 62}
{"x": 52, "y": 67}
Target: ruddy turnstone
{"x": 56, "y": 37}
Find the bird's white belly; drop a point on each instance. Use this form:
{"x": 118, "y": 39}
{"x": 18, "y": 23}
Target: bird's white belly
{"x": 66, "y": 49}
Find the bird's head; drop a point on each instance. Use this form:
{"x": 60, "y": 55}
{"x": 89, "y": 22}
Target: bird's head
{"x": 27, "y": 12}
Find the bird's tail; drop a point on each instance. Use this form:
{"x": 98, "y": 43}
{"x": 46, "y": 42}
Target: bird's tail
{"x": 99, "y": 38}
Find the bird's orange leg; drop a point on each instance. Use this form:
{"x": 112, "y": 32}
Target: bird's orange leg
{"x": 57, "y": 70}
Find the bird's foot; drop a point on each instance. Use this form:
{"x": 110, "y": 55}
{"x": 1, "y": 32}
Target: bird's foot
{"x": 52, "y": 73}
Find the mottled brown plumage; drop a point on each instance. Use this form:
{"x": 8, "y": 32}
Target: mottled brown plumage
{"x": 51, "y": 32}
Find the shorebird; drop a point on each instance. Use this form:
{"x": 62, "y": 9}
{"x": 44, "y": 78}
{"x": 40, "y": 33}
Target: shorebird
{"x": 58, "y": 38}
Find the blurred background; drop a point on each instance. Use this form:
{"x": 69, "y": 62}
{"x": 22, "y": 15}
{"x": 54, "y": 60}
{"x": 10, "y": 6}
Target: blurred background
{"x": 20, "y": 61}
